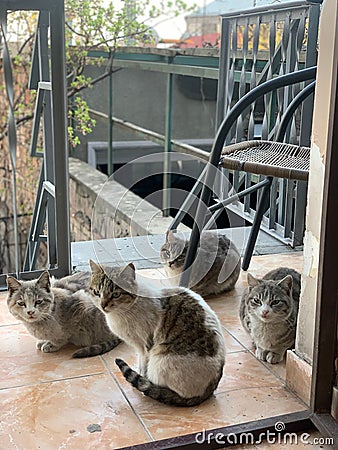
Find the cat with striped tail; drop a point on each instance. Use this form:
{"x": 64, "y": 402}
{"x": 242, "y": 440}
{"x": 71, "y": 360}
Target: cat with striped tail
{"x": 176, "y": 334}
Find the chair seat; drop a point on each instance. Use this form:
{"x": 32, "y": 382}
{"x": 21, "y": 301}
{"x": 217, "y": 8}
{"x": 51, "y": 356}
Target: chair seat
{"x": 268, "y": 158}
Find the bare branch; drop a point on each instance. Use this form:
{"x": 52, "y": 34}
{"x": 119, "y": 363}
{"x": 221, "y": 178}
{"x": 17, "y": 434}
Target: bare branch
{"x": 26, "y": 42}
{"x": 20, "y": 122}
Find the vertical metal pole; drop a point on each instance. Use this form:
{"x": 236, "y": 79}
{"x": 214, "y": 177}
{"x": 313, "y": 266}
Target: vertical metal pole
{"x": 220, "y": 190}
{"x": 110, "y": 128}
{"x": 44, "y": 75}
{"x": 224, "y": 63}
{"x": 59, "y": 91}
{"x": 167, "y": 148}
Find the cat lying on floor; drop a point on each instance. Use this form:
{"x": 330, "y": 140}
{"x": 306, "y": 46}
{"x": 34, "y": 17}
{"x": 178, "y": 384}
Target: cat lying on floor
{"x": 216, "y": 268}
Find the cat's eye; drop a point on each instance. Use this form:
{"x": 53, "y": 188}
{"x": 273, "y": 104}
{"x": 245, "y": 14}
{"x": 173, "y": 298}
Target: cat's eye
{"x": 21, "y": 303}
{"x": 256, "y": 301}
{"x": 116, "y": 294}
{"x": 275, "y": 302}
{"x": 167, "y": 253}
{"x": 96, "y": 292}
{"x": 38, "y": 302}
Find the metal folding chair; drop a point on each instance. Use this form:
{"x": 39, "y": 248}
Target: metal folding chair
{"x": 271, "y": 159}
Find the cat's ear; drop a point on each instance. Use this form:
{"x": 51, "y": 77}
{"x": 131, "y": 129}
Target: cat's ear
{"x": 129, "y": 272}
{"x": 286, "y": 283}
{"x": 95, "y": 267}
{"x": 170, "y": 236}
{"x": 252, "y": 281}
{"x": 13, "y": 284}
{"x": 44, "y": 281}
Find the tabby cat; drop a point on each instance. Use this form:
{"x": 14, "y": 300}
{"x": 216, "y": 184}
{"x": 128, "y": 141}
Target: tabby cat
{"x": 178, "y": 337}
{"x": 268, "y": 311}
{"x": 216, "y": 268}
{"x": 60, "y": 313}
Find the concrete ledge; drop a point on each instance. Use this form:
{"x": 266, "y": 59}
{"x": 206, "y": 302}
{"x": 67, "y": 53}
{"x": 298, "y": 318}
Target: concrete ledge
{"x": 118, "y": 212}
{"x": 298, "y": 376}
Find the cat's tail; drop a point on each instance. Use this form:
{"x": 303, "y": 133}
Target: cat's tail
{"x": 97, "y": 349}
{"x": 161, "y": 393}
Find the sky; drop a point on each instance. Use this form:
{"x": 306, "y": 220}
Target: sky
{"x": 173, "y": 29}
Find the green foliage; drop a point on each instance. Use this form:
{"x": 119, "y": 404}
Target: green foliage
{"x": 91, "y": 25}
{"x": 81, "y": 122}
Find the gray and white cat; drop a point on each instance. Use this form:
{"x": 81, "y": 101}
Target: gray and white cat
{"x": 216, "y": 268}
{"x": 268, "y": 311}
{"x": 178, "y": 337}
{"x": 61, "y": 314}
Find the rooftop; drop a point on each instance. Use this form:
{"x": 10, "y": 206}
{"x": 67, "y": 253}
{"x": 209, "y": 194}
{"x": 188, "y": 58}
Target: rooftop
{"x": 219, "y": 7}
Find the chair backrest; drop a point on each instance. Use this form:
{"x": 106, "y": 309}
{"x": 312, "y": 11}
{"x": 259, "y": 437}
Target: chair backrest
{"x": 257, "y": 46}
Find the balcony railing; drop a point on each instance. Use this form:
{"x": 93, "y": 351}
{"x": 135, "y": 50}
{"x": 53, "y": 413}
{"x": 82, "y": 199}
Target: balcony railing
{"x": 287, "y": 35}
{"x": 245, "y": 61}
{"x": 50, "y": 220}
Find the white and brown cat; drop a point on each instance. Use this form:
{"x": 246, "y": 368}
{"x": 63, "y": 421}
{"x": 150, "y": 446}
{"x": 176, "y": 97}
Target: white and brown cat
{"x": 176, "y": 334}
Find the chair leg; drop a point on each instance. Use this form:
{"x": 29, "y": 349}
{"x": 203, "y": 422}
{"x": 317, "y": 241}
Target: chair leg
{"x": 262, "y": 207}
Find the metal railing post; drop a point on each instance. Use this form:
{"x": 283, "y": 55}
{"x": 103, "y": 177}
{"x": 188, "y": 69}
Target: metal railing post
{"x": 59, "y": 91}
{"x": 110, "y": 129}
{"x": 167, "y": 148}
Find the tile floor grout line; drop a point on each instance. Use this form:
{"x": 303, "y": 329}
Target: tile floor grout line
{"x": 250, "y": 387}
{"x": 235, "y": 351}
{"x": 10, "y": 324}
{"x": 127, "y": 400}
{"x": 51, "y": 381}
{"x": 253, "y": 354}
{"x": 236, "y": 338}
{"x": 286, "y": 387}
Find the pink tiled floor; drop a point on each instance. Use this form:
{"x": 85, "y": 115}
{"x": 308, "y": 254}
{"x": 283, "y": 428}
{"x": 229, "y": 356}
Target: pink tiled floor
{"x": 49, "y": 400}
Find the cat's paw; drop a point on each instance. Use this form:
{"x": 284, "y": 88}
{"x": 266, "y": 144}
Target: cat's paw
{"x": 274, "y": 358}
{"x": 48, "y": 347}
{"x": 261, "y": 354}
{"x": 39, "y": 344}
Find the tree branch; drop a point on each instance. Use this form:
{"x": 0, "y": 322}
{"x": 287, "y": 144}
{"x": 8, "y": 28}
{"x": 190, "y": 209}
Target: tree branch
{"x": 20, "y": 122}
{"x": 93, "y": 81}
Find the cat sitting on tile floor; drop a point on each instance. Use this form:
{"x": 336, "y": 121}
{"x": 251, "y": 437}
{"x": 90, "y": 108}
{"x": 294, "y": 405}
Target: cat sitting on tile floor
{"x": 268, "y": 311}
{"x": 61, "y": 313}
{"x": 178, "y": 337}
{"x": 216, "y": 268}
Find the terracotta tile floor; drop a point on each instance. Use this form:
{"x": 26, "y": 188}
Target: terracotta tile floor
{"x": 49, "y": 400}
